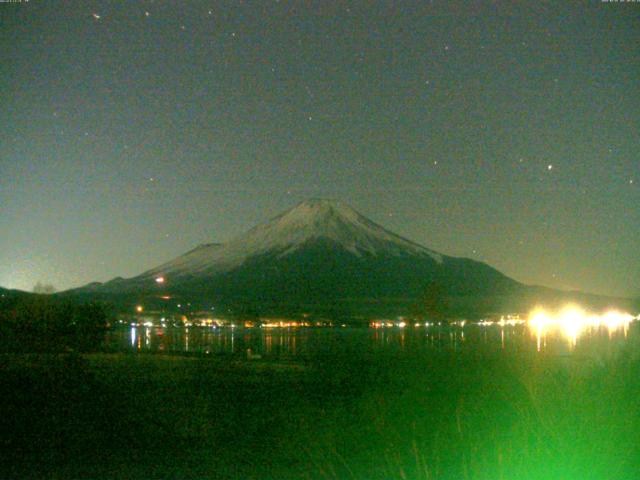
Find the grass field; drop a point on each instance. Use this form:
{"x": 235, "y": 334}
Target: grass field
{"x": 448, "y": 415}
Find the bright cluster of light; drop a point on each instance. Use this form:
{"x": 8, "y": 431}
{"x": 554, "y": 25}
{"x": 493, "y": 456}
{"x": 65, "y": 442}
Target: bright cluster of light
{"x": 389, "y": 324}
{"x": 508, "y": 321}
{"x": 572, "y": 321}
{"x": 283, "y": 323}
{"x": 209, "y": 322}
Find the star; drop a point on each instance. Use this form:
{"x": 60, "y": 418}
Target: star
{"x": 146, "y": 14}
{"x": 549, "y": 167}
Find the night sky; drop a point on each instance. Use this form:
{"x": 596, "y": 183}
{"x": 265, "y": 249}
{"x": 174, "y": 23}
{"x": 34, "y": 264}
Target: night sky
{"x": 133, "y": 131}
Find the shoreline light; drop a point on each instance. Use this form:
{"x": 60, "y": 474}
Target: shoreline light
{"x": 572, "y": 321}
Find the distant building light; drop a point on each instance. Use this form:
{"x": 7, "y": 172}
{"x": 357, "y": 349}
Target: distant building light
{"x": 139, "y": 308}
{"x": 159, "y": 279}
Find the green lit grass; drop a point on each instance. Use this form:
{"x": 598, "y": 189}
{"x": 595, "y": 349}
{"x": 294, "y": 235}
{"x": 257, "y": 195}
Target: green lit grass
{"x": 448, "y": 415}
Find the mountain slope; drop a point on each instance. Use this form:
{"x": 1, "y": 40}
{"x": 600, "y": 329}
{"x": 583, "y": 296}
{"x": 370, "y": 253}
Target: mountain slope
{"x": 294, "y": 230}
{"x": 320, "y": 255}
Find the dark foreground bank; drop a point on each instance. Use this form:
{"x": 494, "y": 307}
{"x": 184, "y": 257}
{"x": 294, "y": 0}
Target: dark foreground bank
{"x": 451, "y": 415}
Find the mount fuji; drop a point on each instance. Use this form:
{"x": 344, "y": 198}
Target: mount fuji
{"x": 309, "y": 224}
{"x": 323, "y": 257}
{"x": 320, "y": 256}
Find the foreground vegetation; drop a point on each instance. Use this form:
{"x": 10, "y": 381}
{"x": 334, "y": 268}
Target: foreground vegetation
{"x": 449, "y": 415}
{"x": 45, "y": 323}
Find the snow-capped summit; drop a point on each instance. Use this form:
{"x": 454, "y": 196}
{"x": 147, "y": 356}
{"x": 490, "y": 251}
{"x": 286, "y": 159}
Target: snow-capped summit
{"x": 320, "y": 255}
{"x": 333, "y": 221}
{"x": 311, "y": 220}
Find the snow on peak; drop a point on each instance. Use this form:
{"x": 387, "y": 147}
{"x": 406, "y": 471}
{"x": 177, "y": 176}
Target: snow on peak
{"x": 316, "y": 211}
{"x": 315, "y": 208}
{"x": 314, "y": 219}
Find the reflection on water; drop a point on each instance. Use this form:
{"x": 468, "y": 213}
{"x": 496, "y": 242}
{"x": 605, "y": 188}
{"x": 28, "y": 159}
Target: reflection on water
{"x": 543, "y": 335}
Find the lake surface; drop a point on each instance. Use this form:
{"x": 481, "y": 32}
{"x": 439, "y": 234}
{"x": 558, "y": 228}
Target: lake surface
{"x": 488, "y": 402}
{"x": 292, "y": 343}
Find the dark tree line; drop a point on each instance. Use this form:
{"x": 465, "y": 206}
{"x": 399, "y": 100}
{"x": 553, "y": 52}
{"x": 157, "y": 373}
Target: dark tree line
{"x": 44, "y": 288}
{"x": 432, "y": 305}
{"x": 38, "y": 323}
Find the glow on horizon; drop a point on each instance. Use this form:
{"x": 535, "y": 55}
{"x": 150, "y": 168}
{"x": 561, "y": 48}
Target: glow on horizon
{"x": 572, "y": 321}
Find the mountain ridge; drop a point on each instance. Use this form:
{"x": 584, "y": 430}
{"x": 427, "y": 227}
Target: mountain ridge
{"x": 321, "y": 255}
{"x": 316, "y": 218}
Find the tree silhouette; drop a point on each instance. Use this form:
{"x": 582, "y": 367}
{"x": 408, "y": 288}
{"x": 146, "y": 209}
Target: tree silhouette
{"x": 44, "y": 288}
{"x": 432, "y": 303}
{"x": 47, "y": 323}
